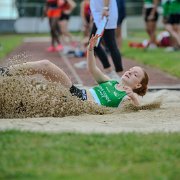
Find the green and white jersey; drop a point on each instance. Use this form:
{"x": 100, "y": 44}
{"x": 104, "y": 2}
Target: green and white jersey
{"x": 165, "y": 5}
{"x": 148, "y": 3}
{"x": 174, "y": 7}
{"x": 107, "y": 94}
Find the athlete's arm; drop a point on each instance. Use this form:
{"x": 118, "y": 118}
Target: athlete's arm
{"x": 133, "y": 96}
{"x": 98, "y": 75}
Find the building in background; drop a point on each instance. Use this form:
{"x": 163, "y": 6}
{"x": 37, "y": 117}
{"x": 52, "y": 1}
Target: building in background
{"x": 8, "y": 10}
{"x": 8, "y": 15}
{"x": 25, "y": 16}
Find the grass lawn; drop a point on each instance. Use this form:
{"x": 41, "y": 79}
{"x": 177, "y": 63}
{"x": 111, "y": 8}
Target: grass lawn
{"x": 166, "y": 61}
{"x": 10, "y": 41}
{"x": 75, "y": 156}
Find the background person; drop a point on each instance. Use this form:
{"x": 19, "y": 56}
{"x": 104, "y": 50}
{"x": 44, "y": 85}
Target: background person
{"x": 165, "y": 6}
{"x": 66, "y": 7}
{"x": 86, "y": 17}
{"x": 173, "y": 24}
{"x": 53, "y": 12}
{"x": 121, "y": 16}
{"x": 150, "y": 17}
{"x": 107, "y": 8}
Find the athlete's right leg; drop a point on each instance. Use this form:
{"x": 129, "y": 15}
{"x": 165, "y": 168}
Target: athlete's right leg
{"x": 44, "y": 67}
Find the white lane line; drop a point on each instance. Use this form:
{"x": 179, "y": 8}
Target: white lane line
{"x": 66, "y": 60}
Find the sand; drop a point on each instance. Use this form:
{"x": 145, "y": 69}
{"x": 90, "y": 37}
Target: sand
{"x": 37, "y": 111}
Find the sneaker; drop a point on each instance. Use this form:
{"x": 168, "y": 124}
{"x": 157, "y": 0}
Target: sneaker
{"x": 152, "y": 46}
{"x": 51, "y": 49}
{"x": 4, "y": 71}
{"x": 60, "y": 47}
{"x": 81, "y": 65}
{"x": 113, "y": 75}
{"x": 171, "y": 49}
{"x": 66, "y": 49}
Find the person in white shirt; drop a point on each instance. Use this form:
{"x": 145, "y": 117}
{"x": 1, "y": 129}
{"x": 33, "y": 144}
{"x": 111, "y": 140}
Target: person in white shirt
{"x": 107, "y": 8}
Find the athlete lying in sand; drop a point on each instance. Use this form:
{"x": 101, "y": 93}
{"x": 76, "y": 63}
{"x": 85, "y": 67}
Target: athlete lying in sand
{"x": 110, "y": 93}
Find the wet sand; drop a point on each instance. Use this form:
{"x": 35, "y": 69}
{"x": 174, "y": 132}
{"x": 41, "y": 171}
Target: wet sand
{"x": 53, "y": 114}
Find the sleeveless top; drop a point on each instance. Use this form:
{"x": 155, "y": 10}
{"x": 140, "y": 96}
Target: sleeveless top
{"x": 87, "y": 11}
{"x": 107, "y": 94}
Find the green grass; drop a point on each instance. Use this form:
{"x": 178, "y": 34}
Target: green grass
{"x": 167, "y": 61}
{"x": 77, "y": 156}
{"x": 11, "y": 41}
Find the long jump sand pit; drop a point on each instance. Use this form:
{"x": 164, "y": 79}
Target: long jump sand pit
{"x": 40, "y": 108}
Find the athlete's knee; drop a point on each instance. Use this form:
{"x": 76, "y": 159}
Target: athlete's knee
{"x": 45, "y": 63}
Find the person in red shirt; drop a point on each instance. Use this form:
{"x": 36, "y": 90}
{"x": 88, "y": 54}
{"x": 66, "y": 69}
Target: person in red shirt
{"x": 53, "y": 12}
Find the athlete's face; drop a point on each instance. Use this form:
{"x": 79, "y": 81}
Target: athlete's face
{"x": 133, "y": 77}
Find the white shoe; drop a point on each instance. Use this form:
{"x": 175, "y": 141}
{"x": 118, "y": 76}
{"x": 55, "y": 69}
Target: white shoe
{"x": 169, "y": 49}
{"x": 172, "y": 49}
{"x": 113, "y": 75}
{"x": 152, "y": 46}
{"x": 81, "y": 65}
{"x": 4, "y": 71}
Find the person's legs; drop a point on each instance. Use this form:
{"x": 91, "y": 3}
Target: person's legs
{"x": 87, "y": 26}
{"x": 55, "y": 34}
{"x": 150, "y": 23}
{"x": 174, "y": 34}
{"x": 119, "y": 36}
{"x": 44, "y": 67}
{"x": 64, "y": 29}
{"x": 121, "y": 16}
{"x": 51, "y": 32}
{"x": 151, "y": 26}
{"x": 110, "y": 42}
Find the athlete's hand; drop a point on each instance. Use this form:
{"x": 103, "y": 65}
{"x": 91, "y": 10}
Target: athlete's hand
{"x": 93, "y": 41}
{"x": 105, "y": 13}
{"x": 129, "y": 92}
